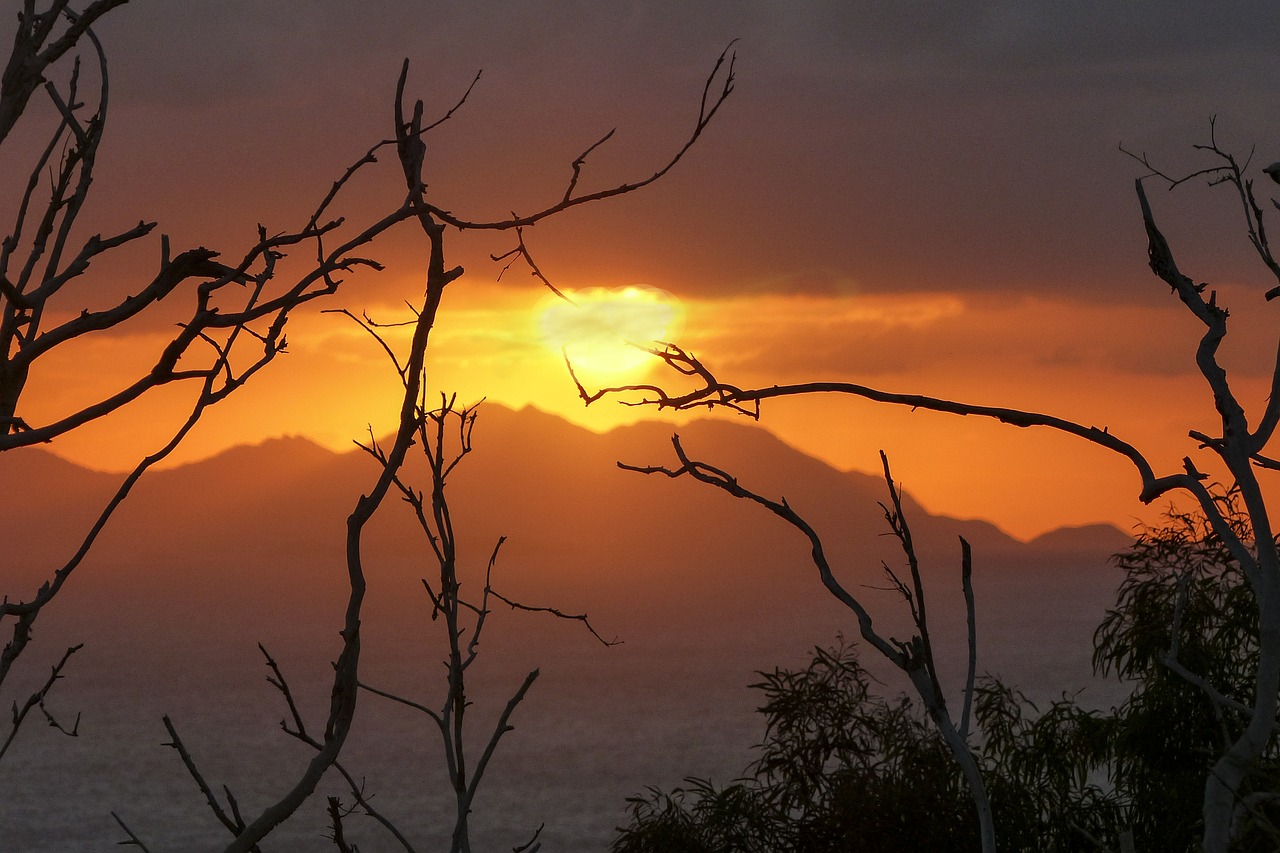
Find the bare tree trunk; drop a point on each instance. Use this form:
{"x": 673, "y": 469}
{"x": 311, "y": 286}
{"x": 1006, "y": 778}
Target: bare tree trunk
{"x": 963, "y": 755}
{"x": 1223, "y": 787}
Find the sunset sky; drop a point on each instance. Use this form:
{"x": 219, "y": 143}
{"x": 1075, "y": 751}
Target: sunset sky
{"x": 915, "y": 196}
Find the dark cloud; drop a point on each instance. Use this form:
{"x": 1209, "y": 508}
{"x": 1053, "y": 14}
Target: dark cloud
{"x": 886, "y": 146}
{"x": 866, "y": 340}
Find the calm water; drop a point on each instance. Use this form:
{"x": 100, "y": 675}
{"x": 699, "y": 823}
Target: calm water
{"x": 598, "y": 726}
{"x": 583, "y": 742}
{"x": 595, "y": 729}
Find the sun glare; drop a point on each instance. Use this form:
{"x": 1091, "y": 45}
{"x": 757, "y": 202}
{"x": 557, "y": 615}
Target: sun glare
{"x": 603, "y": 330}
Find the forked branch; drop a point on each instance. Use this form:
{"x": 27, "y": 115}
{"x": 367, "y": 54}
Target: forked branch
{"x": 913, "y": 657}
{"x": 712, "y": 393}
{"x": 716, "y": 90}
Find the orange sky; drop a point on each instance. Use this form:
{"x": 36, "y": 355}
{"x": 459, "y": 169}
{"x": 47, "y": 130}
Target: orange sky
{"x": 938, "y": 209}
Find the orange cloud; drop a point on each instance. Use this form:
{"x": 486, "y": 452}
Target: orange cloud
{"x": 1126, "y": 367}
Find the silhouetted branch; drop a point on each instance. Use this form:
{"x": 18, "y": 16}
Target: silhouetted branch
{"x": 336, "y": 834}
{"x": 370, "y": 326}
{"x": 500, "y": 728}
{"x": 971, "y": 626}
{"x": 36, "y": 700}
{"x": 533, "y": 845}
{"x": 299, "y": 732}
{"x": 578, "y": 617}
{"x": 713, "y": 97}
{"x": 559, "y": 614}
{"x": 27, "y": 295}
{"x": 26, "y": 612}
{"x": 35, "y": 49}
{"x": 712, "y": 393}
{"x": 277, "y": 680}
{"x": 1228, "y": 170}
{"x": 919, "y": 611}
{"x": 521, "y": 252}
{"x": 231, "y": 821}
{"x": 133, "y": 840}
{"x": 914, "y": 657}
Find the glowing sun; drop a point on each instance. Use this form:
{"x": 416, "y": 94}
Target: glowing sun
{"x": 603, "y": 329}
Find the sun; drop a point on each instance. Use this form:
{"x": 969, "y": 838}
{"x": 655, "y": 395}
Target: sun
{"x": 602, "y": 330}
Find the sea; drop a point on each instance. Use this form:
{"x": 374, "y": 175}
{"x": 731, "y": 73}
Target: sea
{"x": 599, "y": 725}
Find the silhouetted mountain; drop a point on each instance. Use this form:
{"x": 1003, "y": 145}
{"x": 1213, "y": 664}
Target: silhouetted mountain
{"x": 1085, "y": 539}
{"x": 259, "y": 530}
{"x": 206, "y": 560}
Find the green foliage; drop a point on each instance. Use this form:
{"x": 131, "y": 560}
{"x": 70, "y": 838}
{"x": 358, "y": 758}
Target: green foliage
{"x": 700, "y": 819}
{"x": 843, "y": 769}
{"x": 1183, "y": 598}
{"x": 839, "y": 769}
{"x": 1043, "y": 771}
{"x": 839, "y": 765}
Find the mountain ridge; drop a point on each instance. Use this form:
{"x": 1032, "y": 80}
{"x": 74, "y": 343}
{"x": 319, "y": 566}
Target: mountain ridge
{"x": 229, "y": 543}
{"x": 284, "y": 453}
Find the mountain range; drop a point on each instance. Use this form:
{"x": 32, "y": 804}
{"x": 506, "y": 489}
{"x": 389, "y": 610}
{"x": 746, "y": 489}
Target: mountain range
{"x": 207, "y": 559}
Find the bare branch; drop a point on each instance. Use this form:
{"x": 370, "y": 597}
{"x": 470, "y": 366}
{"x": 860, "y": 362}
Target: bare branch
{"x": 713, "y": 393}
{"x": 533, "y": 845}
{"x": 453, "y": 109}
{"x": 966, "y": 582}
{"x": 559, "y": 614}
{"x": 502, "y": 727}
{"x": 919, "y": 611}
{"x": 335, "y": 823}
{"x": 33, "y": 53}
{"x": 231, "y": 823}
{"x": 36, "y": 700}
{"x": 521, "y": 252}
{"x": 582, "y": 159}
{"x": 914, "y": 658}
{"x": 713, "y": 98}
{"x": 133, "y": 840}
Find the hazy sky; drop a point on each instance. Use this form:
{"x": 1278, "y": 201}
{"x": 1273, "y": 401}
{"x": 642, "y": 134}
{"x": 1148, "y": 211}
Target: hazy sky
{"x": 918, "y": 196}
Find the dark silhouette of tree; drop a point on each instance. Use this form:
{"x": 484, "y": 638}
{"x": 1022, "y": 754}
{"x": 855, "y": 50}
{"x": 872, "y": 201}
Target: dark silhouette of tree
{"x": 235, "y": 314}
{"x": 1237, "y": 444}
{"x": 234, "y": 327}
{"x": 1185, "y": 632}
{"x": 914, "y": 657}
{"x": 840, "y": 766}
{"x": 443, "y": 439}
{"x": 414, "y": 417}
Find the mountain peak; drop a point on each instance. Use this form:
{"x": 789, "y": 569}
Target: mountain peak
{"x": 1085, "y": 537}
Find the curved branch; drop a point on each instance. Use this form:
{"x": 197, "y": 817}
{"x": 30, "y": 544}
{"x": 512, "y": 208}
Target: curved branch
{"x": 714, "y": 393}
{"x": 915, "y": 657}
{"x": 722, "y": 480}
{"x": 709, "y": 106}
{"x": 25, "y": 69}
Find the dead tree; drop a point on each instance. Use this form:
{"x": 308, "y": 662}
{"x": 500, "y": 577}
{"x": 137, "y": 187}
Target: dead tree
{"x": 236, "y": 310}
{"x": 443, "y": 437}
{"x": 915, "y": 656}
{"x": 1236, "y": 443}
{"x": 434, "y": 221}
{"x": 443, "y": 446}
{"x": 444, "y": 440}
